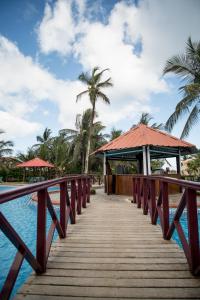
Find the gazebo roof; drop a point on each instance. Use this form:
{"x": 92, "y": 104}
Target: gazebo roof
{"x": 36, "y": 162}
{"x": 142, "y": 135}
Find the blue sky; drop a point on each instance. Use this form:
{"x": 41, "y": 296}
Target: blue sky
{"x": 45, "y": 45}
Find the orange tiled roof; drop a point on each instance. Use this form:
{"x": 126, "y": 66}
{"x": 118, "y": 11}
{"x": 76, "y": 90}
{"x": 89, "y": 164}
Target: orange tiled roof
{"x": 143, "y": 135}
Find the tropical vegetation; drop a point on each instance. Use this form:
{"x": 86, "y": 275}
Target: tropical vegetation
{"x": 187, "y": 66}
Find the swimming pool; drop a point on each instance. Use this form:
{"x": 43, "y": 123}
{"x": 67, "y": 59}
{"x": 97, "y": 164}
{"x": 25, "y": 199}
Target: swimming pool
{"x": 22, "y": 215}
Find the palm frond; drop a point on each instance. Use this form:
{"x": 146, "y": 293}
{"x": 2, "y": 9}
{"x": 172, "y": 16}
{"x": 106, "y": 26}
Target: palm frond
{"x": 103, "y": 97}
{"x": 97, "y": 77}
{"x": 192, "y": 119}
{"x": 106, "y": 83}
{"x": 78, "y": 97}
{"x": 84, "y": 77}
{"x": 174, "y": 118}
{"x": 179, "y": 65}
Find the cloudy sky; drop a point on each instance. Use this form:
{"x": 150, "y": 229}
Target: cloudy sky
{"x": 45, "y": 45}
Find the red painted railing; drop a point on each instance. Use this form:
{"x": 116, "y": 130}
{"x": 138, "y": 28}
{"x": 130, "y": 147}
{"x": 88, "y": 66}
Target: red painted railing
{"x": 69, "y": 207}
{"x": 151, "y": 194}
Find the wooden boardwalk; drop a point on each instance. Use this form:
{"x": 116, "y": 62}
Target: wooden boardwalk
{"x": 113, "y": 252}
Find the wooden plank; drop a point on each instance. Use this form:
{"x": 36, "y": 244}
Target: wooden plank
{"x": 118, "y": 274}
{"x": 115, "y": 292}
{"x": 113, "y": 252}
{"x": 113, "y": 282}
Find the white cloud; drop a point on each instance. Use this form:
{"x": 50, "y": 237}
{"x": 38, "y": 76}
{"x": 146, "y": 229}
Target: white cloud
{"x": 162, "y": 30}
{"x": 17, "y": 127}
{"x": 24, "y": 85}
{"x": 57, "y": 29}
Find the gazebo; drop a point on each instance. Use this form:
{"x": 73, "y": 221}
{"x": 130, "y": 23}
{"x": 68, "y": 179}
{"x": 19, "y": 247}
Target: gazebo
{"x": 35, "y": 163}
{"x": 141, "y": 144}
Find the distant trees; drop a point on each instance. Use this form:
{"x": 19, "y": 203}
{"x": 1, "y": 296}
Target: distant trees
{"x": 187, "y": 66}
{"x": 5, "y": 146}
{"x": 95, "y": 84}
{"x": 145, "y": 119}
{"x": 193, "y": 166}
{"x": 115, "y": 133}
{"x": 43, "y": 145}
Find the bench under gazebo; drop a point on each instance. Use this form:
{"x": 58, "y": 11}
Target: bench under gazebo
{"x": 140, "y": 144}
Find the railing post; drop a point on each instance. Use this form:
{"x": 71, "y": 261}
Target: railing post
{"x": 134, "y": 190}
{"x": 88, "y": 189}
{"x": 152, "y": 200}
{"x": 165, "y": 203}
{"x": 138, "y": 192}
{"x": 41, "y": 229}
{"x": 79, "y": 202}
{"x": 73, "y": 202}
{"x": 63, "y": 204}
{"x": 193, "y": 234}
{"x": 84, "y": 193}
{"x": 145, "y": 196}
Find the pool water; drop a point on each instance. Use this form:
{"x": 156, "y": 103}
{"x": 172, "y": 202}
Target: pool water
{"x": 184, "y": 224}
{"x": 22, "y": 215}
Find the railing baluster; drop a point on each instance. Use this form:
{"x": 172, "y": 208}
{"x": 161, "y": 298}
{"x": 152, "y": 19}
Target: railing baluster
{"x": 139, "y": 193}
{"x": 63, "y": 207}
{"x": 88, "y": 189}
{"x": 134, "y": 190}
{"x": 145, "y": 197}
{"x": 165, "y": 211}
{"x": 41, "y": 229}
{"x": 84, "y": 193}
{"x": 12, "y": 276}
{"x": 73, "y": 202}
{"x": 152, "y": 199}
{"x": 193, "y": 234}
{"x": 79, "y": 203}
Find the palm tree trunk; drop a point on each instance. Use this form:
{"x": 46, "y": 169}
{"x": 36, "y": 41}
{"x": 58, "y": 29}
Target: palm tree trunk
{"x": 89, "y": 140}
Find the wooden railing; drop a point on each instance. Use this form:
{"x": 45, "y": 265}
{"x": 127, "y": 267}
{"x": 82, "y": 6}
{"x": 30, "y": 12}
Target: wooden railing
{"x": 69, "y": 206}
{"x": 157, "y": 205}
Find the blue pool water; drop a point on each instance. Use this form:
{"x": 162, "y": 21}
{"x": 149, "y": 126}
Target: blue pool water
{"x": 22, "y": 215}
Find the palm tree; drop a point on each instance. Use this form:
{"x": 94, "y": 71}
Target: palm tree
{"x": 5, "y": 146}
{"x": 145, "y": 118}
{"x": 94, "y": 90}
{"x": 187, "y": 66}
{"x": 42, "y": 148}
{"x": 115, "y": 133}
{"x": 30, "y": 154}
{"x": 78, "y": 138}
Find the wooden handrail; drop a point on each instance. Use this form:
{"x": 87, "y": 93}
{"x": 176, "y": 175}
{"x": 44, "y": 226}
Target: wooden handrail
{"x": 144, "y": 195}
{"x": 69, "y": 207}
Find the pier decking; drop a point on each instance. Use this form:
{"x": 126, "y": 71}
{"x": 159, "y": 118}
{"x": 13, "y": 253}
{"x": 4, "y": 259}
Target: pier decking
{"x": 113, "y": 252}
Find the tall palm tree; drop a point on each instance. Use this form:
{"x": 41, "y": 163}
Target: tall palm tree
{"x": 94, "y": 91}
{"x": 145, "y": 118}
{"x": 187, "y": 66}
{"x": 5, "y": 146}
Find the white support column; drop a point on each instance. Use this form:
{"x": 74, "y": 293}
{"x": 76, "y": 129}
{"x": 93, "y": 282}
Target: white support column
{"x": 148, "y": 161}
{"x": 144, "y": 161}
{"x": 104, "y": 163}
{"x": 178, "y": 162}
